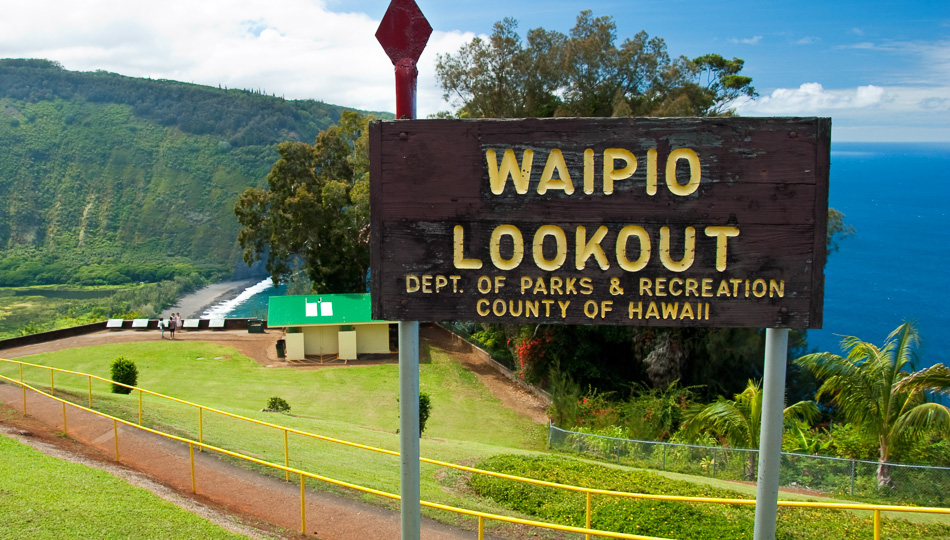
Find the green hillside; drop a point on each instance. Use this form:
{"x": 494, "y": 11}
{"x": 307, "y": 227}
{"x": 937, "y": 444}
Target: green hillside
{"x": 107, "y": 179}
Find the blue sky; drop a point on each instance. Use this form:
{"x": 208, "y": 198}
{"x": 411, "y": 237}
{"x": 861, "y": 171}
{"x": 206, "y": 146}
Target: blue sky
{"x": 881, "y": 70}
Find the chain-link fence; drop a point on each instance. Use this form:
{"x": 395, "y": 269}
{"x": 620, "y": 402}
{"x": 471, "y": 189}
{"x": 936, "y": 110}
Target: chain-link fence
{"x": 920, "y": 485}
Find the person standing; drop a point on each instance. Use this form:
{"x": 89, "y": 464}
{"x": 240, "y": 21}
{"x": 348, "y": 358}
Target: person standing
{"x": 161, "y": 327}
{"x": 171, "y": 326}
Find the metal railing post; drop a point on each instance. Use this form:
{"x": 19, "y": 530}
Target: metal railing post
{"x": 115, "y": 437}
{"x": 65, "y": 430}
{"x": 589, "y": 495}
{"x": 191, "y": 452}
{"x": 201, "y": 426}
{"x": 877, "y": 525}
{"x": 303, "y": 506}
{"x": 140, "y": 407}
{"x": 90, "y": 391}
{"x": 286, "y": 457}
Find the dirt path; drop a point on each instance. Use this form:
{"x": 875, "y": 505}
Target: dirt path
{"x": 256, "y": 505}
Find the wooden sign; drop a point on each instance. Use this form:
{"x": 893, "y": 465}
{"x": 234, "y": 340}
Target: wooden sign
{"x": 636, "y": 221}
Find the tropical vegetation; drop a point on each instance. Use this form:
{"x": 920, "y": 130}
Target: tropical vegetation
{"x": 876, "y": 390}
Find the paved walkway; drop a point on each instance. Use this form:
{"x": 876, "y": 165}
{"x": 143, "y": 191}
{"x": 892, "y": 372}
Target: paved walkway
{"x": 238, "y": 490}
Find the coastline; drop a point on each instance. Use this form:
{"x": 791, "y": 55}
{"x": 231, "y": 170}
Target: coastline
{"x": 192, "y": 305}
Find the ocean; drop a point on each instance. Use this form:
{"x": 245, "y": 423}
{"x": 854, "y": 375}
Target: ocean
{"x": 893, "y": 269}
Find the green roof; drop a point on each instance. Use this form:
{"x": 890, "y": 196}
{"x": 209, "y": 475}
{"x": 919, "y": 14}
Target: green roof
{"x": 313, "y": 309}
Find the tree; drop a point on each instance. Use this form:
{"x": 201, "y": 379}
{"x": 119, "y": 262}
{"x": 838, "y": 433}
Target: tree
{"x": 873, "y": 389}
{"x": 585, "y": 74}
{"x": 314, "y": 213}
{"x": 739, "y": 421}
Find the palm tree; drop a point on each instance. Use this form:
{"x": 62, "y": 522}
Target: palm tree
{"x": 739, "y": 421}
{"x": 874, "y": 389}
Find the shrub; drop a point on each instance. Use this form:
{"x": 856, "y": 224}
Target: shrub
{"x": 425, "y": 407}
{"x": 278, "y": 404}
{"x": 124, "y": 372}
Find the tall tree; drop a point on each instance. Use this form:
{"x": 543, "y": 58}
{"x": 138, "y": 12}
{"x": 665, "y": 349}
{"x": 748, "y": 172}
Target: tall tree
{"x": 313, "y": 215}
{"x": 585, "y": 73}
{"x": 874, "y": 389}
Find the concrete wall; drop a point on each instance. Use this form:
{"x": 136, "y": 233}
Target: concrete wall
{"x": 372, "y": 338}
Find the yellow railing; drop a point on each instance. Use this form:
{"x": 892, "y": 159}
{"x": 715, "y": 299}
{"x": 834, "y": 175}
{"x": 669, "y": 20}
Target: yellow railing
{"x": 481, "y": 516}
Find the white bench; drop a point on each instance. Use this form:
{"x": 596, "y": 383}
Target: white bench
{"x": 140, "y": 323}
{"x": 190, "y": 323}
{"x": 114, "y": 323}
{"x": 216, "y": 323}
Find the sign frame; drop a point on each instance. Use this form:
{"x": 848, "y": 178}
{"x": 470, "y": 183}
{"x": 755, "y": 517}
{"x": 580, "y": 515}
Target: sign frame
{"x": 754, "y": 191}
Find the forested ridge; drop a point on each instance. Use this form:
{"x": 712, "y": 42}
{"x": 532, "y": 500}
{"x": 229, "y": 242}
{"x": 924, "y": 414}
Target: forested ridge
{"x": 112, "y": 179}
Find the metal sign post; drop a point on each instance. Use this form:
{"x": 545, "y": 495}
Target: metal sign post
{"x": 770, "y": 438}
{"x": 403, "y": 33}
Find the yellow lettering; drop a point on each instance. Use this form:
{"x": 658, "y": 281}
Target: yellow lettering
{"x": 670, "y": 309}
{"x": 484, "y": 284}
{"x": 540, "y": 287}
{"x": 689, "y": 250}
{"x": 556, "y": 283}
{"x": 735, "y": 287}
{"x": 678, "y": 283}
{"x": 537, "y": 248}
{"x": 722, "y": 234}
{"x": 427, "y": 283}
{"x": 707, "y": 288}
{"x": 776, "y": 288}
{"x": 482, "y": 303}
{"x": 651, "y": 171}
{"x": 499, "y": 283}
{"x": 692, "y": 287}
{"x": 652, "y": 311}
{"x": 587, "y": 285}
{"x": 518, "y": 244}
{"x": 687, "y": 311}
{"x": 638, "y": 310}
{"x": 589, "y": 171}
{"x": 569, "y": 285}
{"x": 498, "y": 311}
{"x": 563, "y": 305}
{"x": 412, "y": 283}
{"x": 547, "y": 307}
{"x": 590, "y": 309}
{"x": 660, "y": 286}
{"x": 723, "y": 288}
{"x": 585, "y": 248}
{"x": 526, "y": 283}
{"x": 531, "y": 308}
{"x": 645, "y": 249}
{"x": 520, "y": 174}
{"x": 556, "y": 164}
{"x": 694, "y": 172}
{"x": 611, "y": 174}
{"x": 459, "y": 258}
{"x": 646, "y": 287}
{"x": 759, "y": 288}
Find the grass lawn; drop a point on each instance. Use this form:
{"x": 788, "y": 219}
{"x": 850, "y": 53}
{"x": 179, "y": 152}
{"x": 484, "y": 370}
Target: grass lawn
{"x": 45, "y": 497}
{"x": 353, "y": 403}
